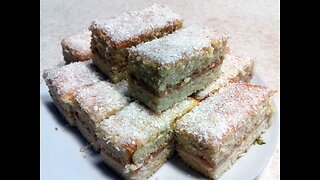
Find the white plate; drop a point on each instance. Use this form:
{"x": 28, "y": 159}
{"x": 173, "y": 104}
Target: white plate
{"x": 61, "y": 157}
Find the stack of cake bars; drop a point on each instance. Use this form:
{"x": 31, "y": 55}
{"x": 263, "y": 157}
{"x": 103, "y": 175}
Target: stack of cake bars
{"x": 180, "y": 91}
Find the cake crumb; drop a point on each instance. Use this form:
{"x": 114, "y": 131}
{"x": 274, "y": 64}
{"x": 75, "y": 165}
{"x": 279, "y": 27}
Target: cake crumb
{"x": 82, "y": 149}
{"x": 85, "y": 149}
{"x": 259, "y": 141}
{"x": 56, "y": 128}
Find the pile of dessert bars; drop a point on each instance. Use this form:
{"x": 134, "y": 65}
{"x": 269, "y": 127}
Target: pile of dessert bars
{"x": 141, "y": 86}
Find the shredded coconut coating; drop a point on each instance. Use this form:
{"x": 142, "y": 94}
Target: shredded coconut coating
{"x": 132, "y": 24}
{"x": 79, "y": 42}
{"x": 66, "y": 79}
{"x": 136, "y": 125}
{"x": 179, "y": 45}
{"x": 100, "y": 100}
{"x": 231, "y": 67}
{"x": 223, "y": 113}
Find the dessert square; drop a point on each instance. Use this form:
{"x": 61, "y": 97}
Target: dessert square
{"x": 166, "y": 70}
{"x": 112, "y": 37}
{"x": 222, "y": 127}
{"x": 77, "y": 47}
{"x": 135, "y": 142}
{"x": 95, "y": 103}
{"x": 233, "y": 69}
{"x": 64, "y": 81}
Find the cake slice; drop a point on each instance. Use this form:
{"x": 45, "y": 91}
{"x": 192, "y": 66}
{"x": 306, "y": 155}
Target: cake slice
{"x": 166, "y": 70}
{"x": 95, "y": 103}
{"x": 112, "y": 37}
{"x": 77, "y": 47}
{"x": 64, "y": 81}
{"x": 222, "y": 127}
{"x": 233, "y": 69}
{"x": 135, "y": 142}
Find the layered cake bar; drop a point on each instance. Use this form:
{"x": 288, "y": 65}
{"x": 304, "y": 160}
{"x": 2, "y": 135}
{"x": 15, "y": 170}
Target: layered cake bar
{"x": 212, "y": 136}
{"x": 135, "y": 142}
{"x": 112, "y": 37}
{"x": 77, "y": 47}
{"x": 233, "y": 69}
{"x": 64, "y": 81}
{"x": 166, "y": 70}
{"x": 95, "y": 103}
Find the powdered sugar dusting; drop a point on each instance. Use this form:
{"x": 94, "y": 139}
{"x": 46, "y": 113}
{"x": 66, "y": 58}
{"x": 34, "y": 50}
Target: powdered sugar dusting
{"x": 79, "y": 42}
{"x": 100, "y": 100}
{"x": 182, "y": 43}
{"x": 223, "y": 112}
{"x": 137, "y": 124}
{"x": 66, "y": 79}
{"x": 231, "y": 68}
{"x": 134, "y": 23}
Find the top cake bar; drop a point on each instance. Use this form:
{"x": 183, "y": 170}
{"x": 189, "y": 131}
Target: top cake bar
{"x": 112, "y": 37}
{"x": 169, "y": 59}
{"x": 137, "y": 26}
{"x": 166, "y": 70}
